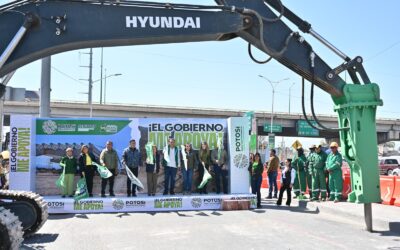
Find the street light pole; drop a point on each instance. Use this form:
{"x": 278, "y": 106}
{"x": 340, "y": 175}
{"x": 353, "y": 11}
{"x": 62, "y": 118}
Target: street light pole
{"x": 273, "y": 95}
{"x": 105, "y": 82}
{"x": 105, "y": 85}
{"x": 90, "y": 100}
{"x": 290, "y": 94}
{"x": 272, "y": 107}
{"x": 101, "y": 77}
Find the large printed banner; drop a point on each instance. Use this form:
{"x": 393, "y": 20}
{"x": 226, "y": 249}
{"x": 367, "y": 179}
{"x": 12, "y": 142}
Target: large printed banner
{"x": 38, "y": 144}
{"x": 160, "y": 203}
{"x": 238, "y": 154}
{"x": 22, "y": 153}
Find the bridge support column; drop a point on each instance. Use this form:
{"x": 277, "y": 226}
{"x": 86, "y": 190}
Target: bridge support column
{"x": 44, "y": 109}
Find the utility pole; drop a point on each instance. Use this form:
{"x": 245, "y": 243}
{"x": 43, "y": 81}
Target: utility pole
{"x": 290, "y": 94}
{"x": 90, "y": 81}
{"x": 101, "y": 77}
{"x": 105, "y": 85}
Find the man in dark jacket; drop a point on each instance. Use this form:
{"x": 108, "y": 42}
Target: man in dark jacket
{"x": 109, "y": 158}
{"x": 189, "y": 162}
{"x": 132, "y": 159}
{"x": 219, "y": 161}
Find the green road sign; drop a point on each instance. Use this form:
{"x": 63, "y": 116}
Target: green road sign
{"x": 304, "y": 129}
{"x": 250, "y": 119}
{"x": 253, "y": 143}
{"x": 271, "y": 141}
{"x": 276, "y": 128}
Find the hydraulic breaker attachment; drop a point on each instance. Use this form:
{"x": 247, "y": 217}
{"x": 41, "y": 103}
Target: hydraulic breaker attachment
{"x": 357, "y": 111}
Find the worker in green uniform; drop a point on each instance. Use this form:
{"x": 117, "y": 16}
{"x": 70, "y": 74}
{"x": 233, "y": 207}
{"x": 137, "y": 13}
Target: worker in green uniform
{"x": 308, "y": 169}
{"x": 70, "y": 164}
{"x": 334, "y": 167}
{"x": 299, "y": 163}
{"x": 318, "y": 174}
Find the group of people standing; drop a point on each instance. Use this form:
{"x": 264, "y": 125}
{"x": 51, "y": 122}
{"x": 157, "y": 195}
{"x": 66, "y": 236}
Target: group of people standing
{"x": 214, "y": 161}
{"x": 172, "y": 160}
{"x": 322, "y": 173}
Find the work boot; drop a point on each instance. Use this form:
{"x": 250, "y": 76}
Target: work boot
{"x": 269, "y": 196}
{"x": 103, "y": 196}
{"x": 275, "y": 196}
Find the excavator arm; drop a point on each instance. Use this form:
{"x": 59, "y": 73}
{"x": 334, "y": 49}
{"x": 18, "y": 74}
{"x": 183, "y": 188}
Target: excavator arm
{"x": 33, "y": 29}
{"x": 58, "y": 26}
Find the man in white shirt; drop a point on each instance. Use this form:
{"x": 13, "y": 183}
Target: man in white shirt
{"x": 171, "y": 162}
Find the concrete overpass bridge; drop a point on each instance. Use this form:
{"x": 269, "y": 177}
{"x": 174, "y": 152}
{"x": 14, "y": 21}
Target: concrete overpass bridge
{"x": 388, "y": 129}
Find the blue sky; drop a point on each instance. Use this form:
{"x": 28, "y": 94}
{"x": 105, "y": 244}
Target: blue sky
{"x": 221, "y": 74}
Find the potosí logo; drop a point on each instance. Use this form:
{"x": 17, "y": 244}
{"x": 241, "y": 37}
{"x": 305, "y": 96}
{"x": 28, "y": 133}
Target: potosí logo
{"x": 55, "y": 204}
{"x": 240, "y": 160}
{"x": 88, "y": 205}
{"x": 168, "y": 203}
{"x": 49, "y": 127}
{"x": 239, "y": 146}
{"x": 118, "y": 204}
{"x": 196, "y": 202}
{"x": 212, "y": 201}
{"x": 139, "y": 203}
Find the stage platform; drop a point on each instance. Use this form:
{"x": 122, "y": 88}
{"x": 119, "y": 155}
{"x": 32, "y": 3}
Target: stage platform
{"x": 143, "y": 203}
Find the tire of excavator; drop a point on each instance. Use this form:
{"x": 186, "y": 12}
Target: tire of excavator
{"x": 11, "y": 234}
{"x": 36, "y": 201}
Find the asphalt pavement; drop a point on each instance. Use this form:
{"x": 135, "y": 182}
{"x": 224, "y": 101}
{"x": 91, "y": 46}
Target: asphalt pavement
{"x": 304, "y": 225}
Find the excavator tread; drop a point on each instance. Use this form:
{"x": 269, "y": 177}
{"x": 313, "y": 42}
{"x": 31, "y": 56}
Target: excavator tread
{"x": 36, "y": 200}
{"x": 11, "y": 230}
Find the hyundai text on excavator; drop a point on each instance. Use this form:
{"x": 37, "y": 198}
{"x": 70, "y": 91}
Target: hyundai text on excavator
{"x": 33, "y": 29}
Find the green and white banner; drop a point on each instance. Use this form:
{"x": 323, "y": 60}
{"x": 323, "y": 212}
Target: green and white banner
{"x": 38, "y": 144}
{"x": 238, "y": 135}
{"x": 22, "y": 153}
{"x": 140, "y": 204}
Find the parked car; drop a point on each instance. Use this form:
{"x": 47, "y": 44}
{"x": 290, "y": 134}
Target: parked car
{"x": 387, "y": 165}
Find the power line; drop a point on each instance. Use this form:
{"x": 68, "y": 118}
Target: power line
{"x": 66, "y": 75}
{"x": 200, "y": 60}
{"x": 383, "y": 51}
